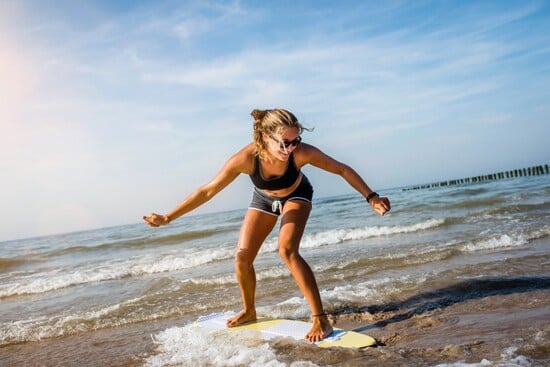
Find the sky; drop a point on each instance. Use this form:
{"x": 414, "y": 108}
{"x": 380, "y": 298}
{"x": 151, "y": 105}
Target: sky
{"x": 110, "y": 110}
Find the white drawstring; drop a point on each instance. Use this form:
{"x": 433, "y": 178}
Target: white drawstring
{"x": 276, "y": 205}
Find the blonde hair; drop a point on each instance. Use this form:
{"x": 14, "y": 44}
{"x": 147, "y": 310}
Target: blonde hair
{"x": 271, "y": 122}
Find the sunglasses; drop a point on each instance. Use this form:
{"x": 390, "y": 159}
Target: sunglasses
{"x": 286, "y": 143}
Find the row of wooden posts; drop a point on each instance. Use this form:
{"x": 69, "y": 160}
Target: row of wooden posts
{"x": 530, "y": 171}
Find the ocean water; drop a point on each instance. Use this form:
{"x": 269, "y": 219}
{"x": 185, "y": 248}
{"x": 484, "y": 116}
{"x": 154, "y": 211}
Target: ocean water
{"x": 160, "y": 280}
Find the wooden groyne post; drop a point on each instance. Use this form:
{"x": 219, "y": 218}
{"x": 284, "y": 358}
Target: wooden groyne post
{"x": 530, "y": 171}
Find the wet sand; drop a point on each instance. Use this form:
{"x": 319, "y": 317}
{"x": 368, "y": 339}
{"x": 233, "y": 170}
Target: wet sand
{"x": 423, "y": 330}
{"x": 469, "y": 331}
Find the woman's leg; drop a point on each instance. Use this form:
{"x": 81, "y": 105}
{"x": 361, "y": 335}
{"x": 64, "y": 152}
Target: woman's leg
{"x": 254, "y": 230}
{"x": 293, "y": 222}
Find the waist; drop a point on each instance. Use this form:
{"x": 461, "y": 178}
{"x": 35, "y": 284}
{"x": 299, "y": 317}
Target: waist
{"x": 281, "y": 193}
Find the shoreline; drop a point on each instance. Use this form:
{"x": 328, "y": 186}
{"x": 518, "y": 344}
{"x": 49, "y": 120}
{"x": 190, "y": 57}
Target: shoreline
{"x": 493, "y": 328}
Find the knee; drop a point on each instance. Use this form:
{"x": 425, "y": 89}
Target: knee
{"x": 288, "y": 254}
{"x": 243, "y": 260}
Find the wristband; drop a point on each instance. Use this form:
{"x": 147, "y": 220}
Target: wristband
{"x": 371, "y": 195}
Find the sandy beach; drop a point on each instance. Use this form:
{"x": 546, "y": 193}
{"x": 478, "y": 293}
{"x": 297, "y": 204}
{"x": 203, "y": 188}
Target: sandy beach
{"x": 486, "y": 327}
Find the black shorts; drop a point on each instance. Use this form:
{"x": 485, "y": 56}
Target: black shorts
{"x": 274, "y": 205}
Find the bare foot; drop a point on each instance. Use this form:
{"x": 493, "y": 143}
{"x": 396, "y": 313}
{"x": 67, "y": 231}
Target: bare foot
{"x": 241, "y": 318}
{"x": 320, "y": 330}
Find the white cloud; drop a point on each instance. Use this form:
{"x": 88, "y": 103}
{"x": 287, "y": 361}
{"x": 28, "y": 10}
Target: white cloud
{"x": 495, "y": 119}
{"x": 218, "y": 74}
{"x": 157, "y": 126}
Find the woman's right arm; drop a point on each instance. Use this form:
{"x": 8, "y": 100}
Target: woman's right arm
{"x": 237, "y": 164}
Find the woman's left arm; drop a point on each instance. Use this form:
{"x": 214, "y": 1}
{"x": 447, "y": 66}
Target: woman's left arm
{"x": 314, "y": 156}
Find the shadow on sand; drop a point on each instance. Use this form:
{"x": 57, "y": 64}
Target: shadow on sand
{"x": 445, "y": 297}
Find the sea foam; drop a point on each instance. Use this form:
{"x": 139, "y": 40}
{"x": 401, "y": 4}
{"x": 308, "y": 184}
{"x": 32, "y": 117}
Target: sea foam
{"x": 508, "y": 359}
{"x": 493, "y": 243}
{"x": 117, "y": 269}
{"x": 192, "y": 346}
{"x": 335, "y": 236}
{"x": 42, "y": 327}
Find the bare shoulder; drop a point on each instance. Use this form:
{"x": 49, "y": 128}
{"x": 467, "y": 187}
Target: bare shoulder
{"x": 306, "y": 154}
{"x": 243, "y": 160}
{"x": 309, "y": 154}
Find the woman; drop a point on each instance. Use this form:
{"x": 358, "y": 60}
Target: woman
{"x": 273, "y": 161}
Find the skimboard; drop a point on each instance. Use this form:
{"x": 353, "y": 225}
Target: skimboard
{"x": 277, "y": 328}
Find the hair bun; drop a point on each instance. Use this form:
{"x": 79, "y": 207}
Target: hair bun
{"x": 258, "y": 114}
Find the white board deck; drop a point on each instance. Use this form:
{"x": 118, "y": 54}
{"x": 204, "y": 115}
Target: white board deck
{"x": 275, "y": 328}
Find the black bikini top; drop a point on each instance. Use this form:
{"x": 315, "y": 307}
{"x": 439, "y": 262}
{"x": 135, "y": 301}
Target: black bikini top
{"x": 286, "y": 180}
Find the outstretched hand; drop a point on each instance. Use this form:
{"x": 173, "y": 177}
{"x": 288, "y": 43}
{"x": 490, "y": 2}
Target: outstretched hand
{"x": 156, "y": 220}
{"x": 381, "y": 205}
